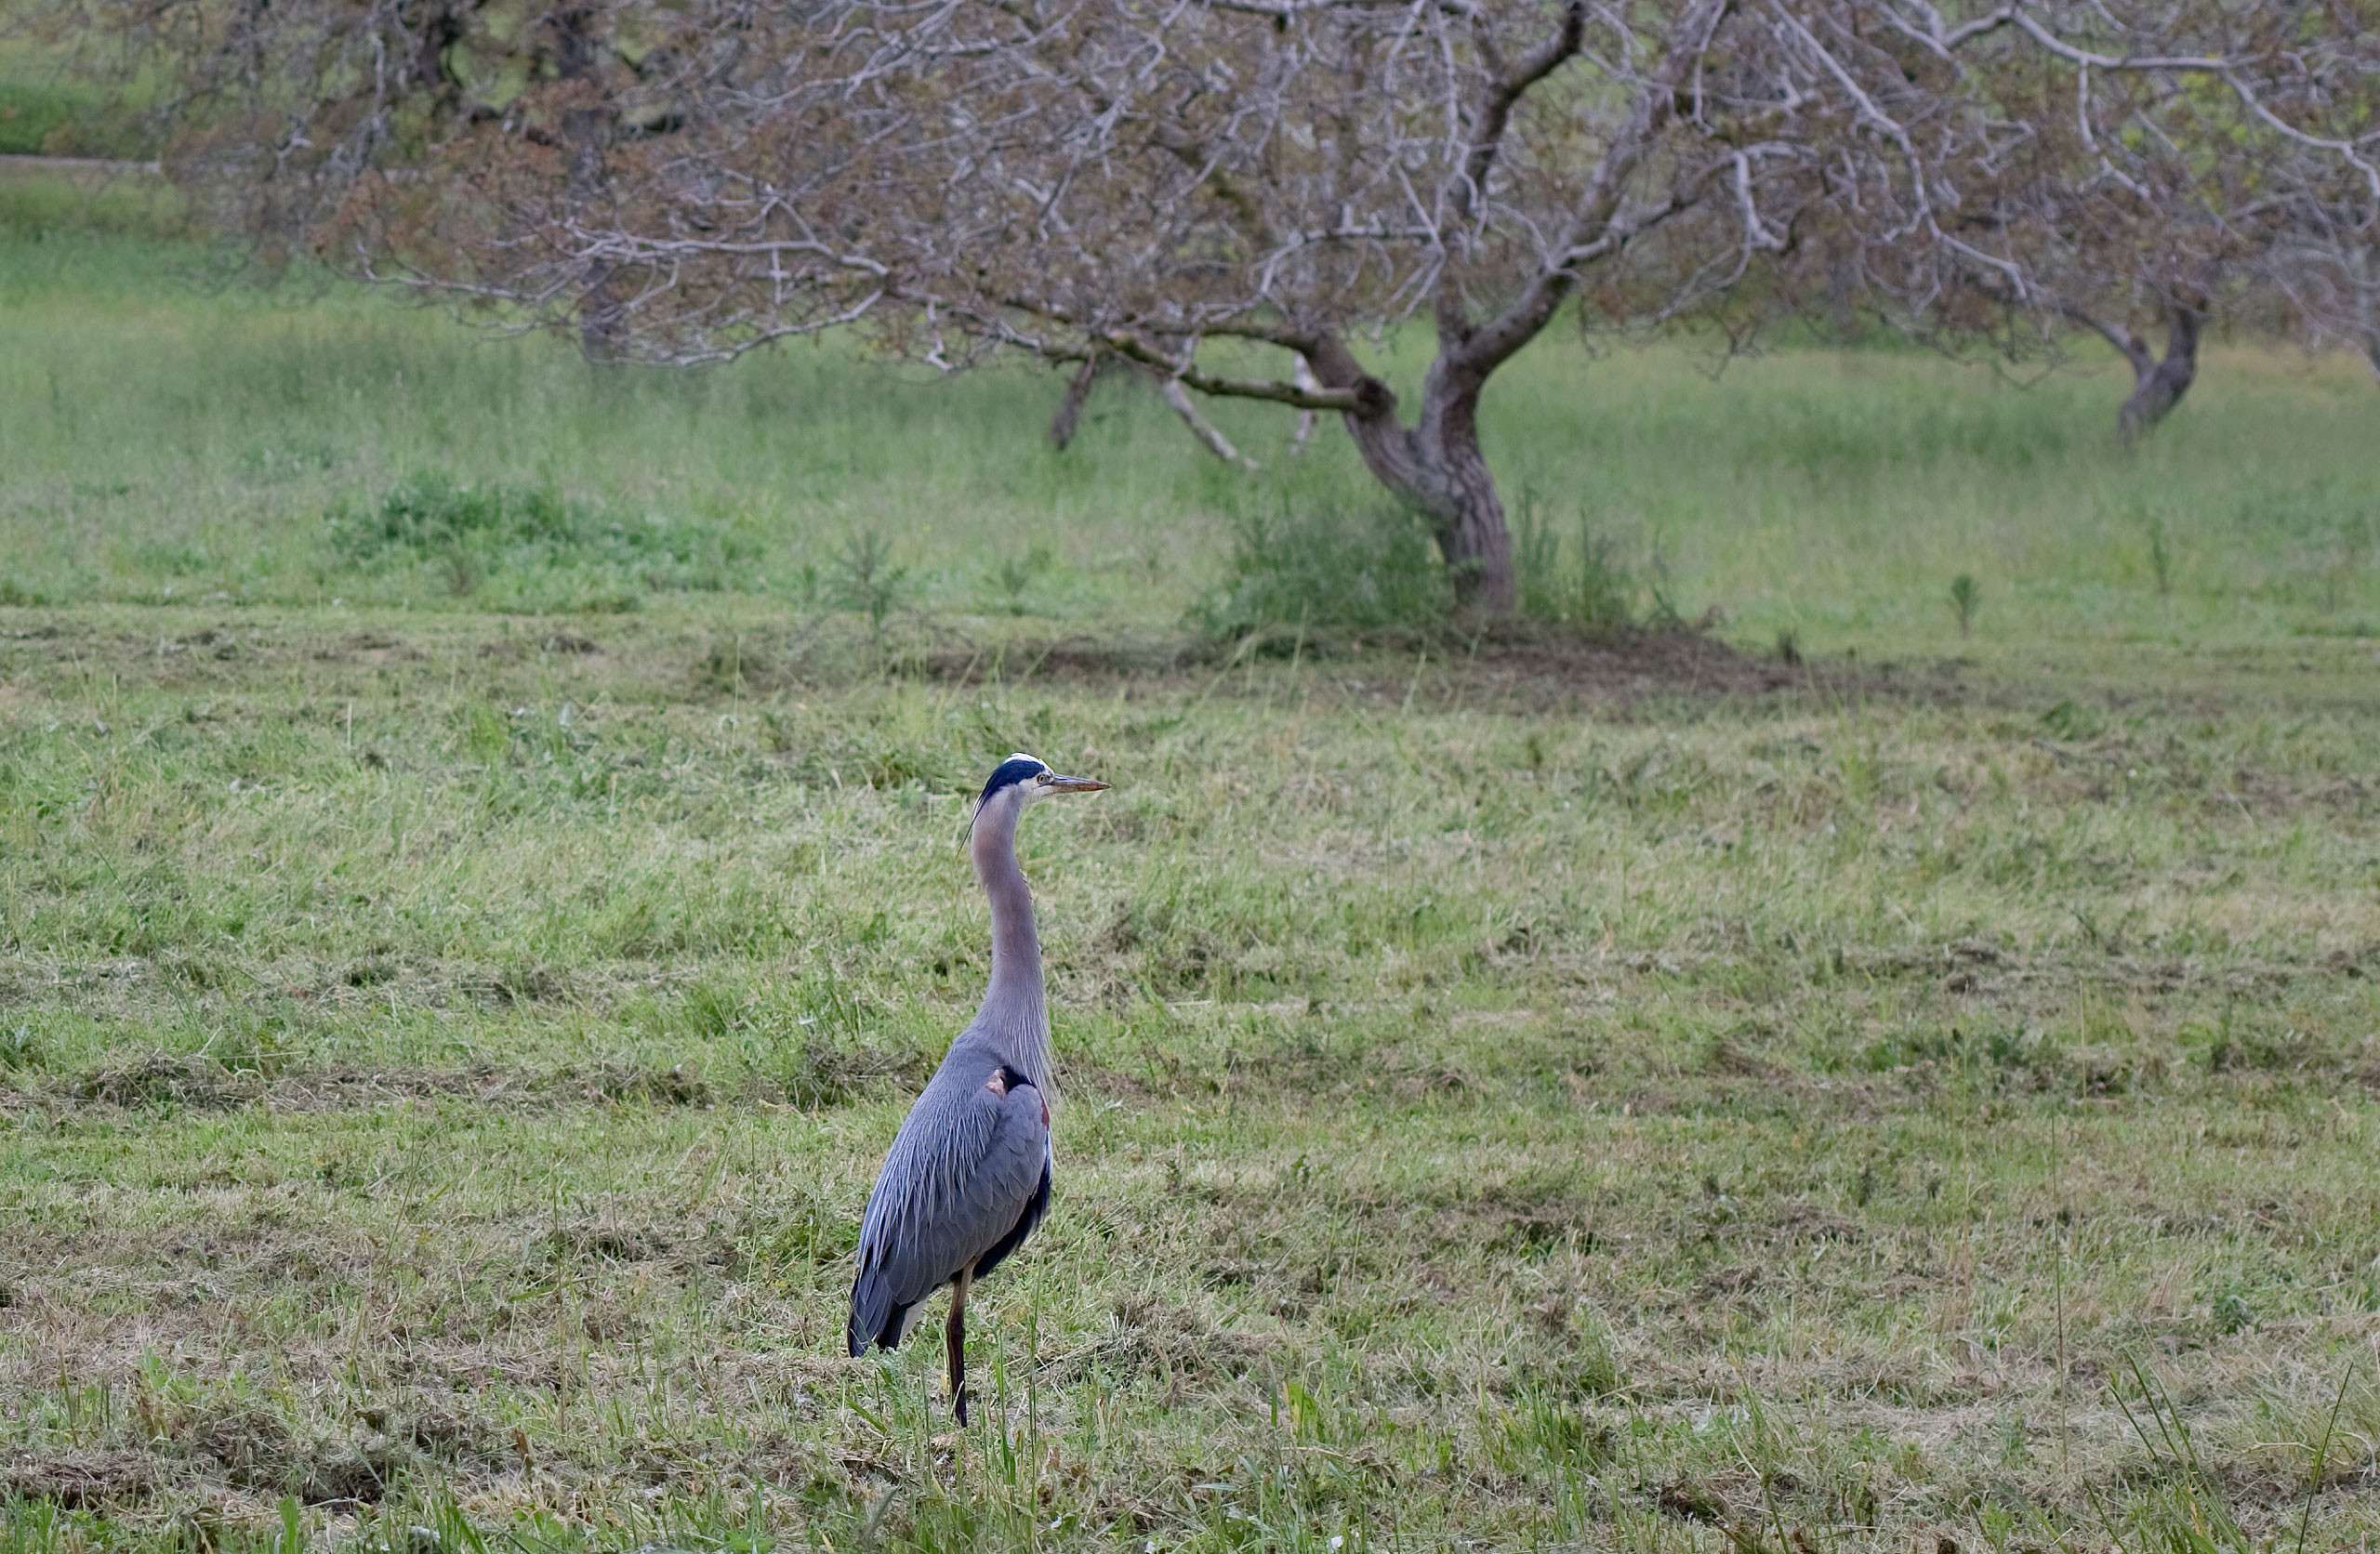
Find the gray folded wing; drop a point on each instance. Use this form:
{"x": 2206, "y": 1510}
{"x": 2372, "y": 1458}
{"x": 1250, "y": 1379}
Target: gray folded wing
{"x": 964, "y": 1171}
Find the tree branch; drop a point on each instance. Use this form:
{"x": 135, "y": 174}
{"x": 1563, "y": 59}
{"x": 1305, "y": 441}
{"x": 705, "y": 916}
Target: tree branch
{"x": 2135, "y": 349}
{"x": 1482, "y": 350}
{"x": 1348, "y": 399}
{"x": 1210, "y": 436}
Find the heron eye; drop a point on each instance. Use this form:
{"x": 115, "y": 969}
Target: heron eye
{"x": 1042, "y": 778}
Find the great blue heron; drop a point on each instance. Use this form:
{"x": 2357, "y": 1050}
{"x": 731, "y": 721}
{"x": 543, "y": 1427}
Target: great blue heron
{"x": 968, "y": 1175}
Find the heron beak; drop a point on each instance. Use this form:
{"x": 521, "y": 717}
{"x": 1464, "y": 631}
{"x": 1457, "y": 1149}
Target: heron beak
{"x": 1075, "y": 785}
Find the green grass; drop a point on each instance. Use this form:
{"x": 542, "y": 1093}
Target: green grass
{"x": 173, "y": 442}
{"x": 47, "y": 109}
{"x": 475, "y": 898}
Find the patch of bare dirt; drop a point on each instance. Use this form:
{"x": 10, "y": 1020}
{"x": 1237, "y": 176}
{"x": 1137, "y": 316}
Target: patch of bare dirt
{"x": 513, "y": 650}
{"x": 198, "y": 1083}
{"x": 827, "y": 1073}
{"x": 370, "y": 647}
{"x": 1077, "y": 658}
{"x": 1529, "y": 668}
{"x": 223, "y": 643}
{"x": 1157, "y": 1337}
{"x": 347, "y": 1088}
{"x": 165, "y": 1078}
{"x": 82, "y": 1481}
{"x": 651, "y": 1084}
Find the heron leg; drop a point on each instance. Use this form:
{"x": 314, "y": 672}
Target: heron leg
{"x": 956, "y": 1334}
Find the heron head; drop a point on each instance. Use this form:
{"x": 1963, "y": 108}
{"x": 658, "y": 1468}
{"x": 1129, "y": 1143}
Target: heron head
{"x": 1022, "y": 779}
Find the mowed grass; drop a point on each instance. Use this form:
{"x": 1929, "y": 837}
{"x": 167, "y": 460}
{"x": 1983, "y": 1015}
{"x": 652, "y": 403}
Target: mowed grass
{"x": 461, "y": 961}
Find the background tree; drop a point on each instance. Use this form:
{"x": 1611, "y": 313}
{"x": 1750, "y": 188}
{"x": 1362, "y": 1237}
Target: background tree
{"x": 2329, "y": 267}
{"x": 278, "y": 117}
{"x": 2159, "y": 192}
{"x": 1216, "y": 191}
{"x": 2324, "y": 260}
{"x": 2139, "y": 228}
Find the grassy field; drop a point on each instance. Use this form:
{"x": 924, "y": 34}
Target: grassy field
{"x": 47, "y": 109}
{"x": 477, "y": 891}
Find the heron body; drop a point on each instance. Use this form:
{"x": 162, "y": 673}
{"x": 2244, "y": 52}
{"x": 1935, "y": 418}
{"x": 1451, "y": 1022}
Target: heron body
{"x": 968, "y": 1175}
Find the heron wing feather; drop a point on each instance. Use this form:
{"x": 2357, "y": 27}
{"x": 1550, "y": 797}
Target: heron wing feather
{"x": 960, "y": 1175}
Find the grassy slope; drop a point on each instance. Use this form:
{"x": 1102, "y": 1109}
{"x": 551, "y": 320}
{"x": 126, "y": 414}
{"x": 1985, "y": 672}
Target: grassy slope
{"x": 442, "y": 1048}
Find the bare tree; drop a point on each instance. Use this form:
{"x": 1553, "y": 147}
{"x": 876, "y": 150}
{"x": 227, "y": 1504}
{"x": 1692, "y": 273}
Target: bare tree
{"x": 2175, "y": 189}
{"x": 293, "y": 122}
{"x": 2334, "y": 276}
{"x": 2159, "y": 381}
{"x": 2326, "y": 260}
{"x": 1243, "y": 196}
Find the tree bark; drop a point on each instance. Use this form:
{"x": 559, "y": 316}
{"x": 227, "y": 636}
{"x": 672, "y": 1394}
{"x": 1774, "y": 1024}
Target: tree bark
{"x": 589, "y": 123}
{"x": 2159, "y": 382}
{"x": 1069, "y": 415}
{"x": 1436, "y": 464}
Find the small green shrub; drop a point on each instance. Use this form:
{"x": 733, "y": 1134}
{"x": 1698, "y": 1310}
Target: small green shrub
{"x": 1967, "y": 598}
{"x": 536, "y": 546}
{"x": 867, "y": 580}
{"x": 431, "y": 514}
{"x": 1329, "y": 567}
{"x": 1014, "y": 575}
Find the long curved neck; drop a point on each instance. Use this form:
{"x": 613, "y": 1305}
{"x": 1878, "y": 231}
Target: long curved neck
{"x": 1015, "y": 1008}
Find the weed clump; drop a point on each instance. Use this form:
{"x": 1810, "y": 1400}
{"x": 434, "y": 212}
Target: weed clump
{"x": 1967, "y": 598}
{"x": 530, "y": 546}
{"x": 1363, "y": 568}
{"x": 1583, "y": 585}
{"x": 1014, "y": 575}
{"x": 868, "y": 581}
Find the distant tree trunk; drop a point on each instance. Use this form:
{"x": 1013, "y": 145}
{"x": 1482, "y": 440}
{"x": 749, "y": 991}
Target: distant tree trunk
{"x": 2361, "y": 291}
{"x": 590, "y": 122}
{"x": 2159, "y": 382}
{"x": 1078, "y": 387}
{"x": 1436, "y": 464}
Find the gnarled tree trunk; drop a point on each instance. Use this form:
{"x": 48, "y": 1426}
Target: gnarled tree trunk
{"x": 2159, "y": 382}
{"x": 1436, "y": 464}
